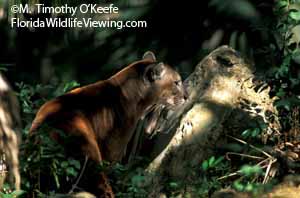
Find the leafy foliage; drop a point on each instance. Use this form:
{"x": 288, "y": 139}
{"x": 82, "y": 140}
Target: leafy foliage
{"x": 43, "y": 159}
{"x": 13, "y": 194}
{"x": 211, "y": 163}
{"x": 284, "y": 80}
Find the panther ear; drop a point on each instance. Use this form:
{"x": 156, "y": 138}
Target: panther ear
{"x": 149, "y": 56}
{"x": 155, "y": 72}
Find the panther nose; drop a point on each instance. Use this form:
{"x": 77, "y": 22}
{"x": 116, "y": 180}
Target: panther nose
{"x": 185, "y": 93}
{"x": 185, "y": 96}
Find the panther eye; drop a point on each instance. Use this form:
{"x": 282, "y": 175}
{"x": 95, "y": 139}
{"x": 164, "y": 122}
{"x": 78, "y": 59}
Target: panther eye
{"x": 178, "y": 82}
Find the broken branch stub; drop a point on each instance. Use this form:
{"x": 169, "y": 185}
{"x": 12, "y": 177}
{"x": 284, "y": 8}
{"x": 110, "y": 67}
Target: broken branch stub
{"x": 10, "y": 127}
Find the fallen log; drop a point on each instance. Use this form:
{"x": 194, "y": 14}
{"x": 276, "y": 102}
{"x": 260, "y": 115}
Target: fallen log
{"x": 225, "y": 97}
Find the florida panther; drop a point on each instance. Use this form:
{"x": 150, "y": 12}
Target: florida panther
{"x": 104, "y": 114}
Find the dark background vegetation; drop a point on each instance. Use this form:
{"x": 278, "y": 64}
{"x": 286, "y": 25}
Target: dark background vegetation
{"x": 180, "y": 33}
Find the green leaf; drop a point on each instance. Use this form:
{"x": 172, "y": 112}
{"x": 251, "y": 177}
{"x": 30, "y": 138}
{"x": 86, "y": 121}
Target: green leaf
{"x": 2, "y": 195}
{"x": 75, "y": 163}
{"x": 255, "y": 132}
{"x": 119, "y": 167}
{"x": 287, "y": 103}
{"x": 283, "y": 103}
{"x": 281, "y": 4}
{"x": 294, "y": 82}
{"x": 64, "y": 164}
{"x": 173, "y": 185}
{"x": 248, "y": 170}
{"x": 136, "y": 180}
{"x": 70, "y": 85}
{"x": 205, "y": 165}
{"x": 71, "y": 171}
{"x": 17, "y": 193}
{"x": 295, "y": 14}
{"x": 280, "y": 93}
{"x": 211, "y": 161}
{"x": 27, "y": 184}
{"x": 219, "y": 160}
{"x": 249, "y": 187}
{"x": 246, "y": 133}
{"x": 238, "y": 186}
{"x": 296, "y": 53}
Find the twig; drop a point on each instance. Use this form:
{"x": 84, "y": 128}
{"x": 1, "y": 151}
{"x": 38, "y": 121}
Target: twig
{"x": 74, "y": 186}
{"x": 272, "y": 161}
{"x": 263, "y": 161}
{"x": 230, "y": 175}
{"x": 270, "y": 158}
{"x": 246, "y": 143}
{"x": 243, "y": 155}
{"x": 235, "y": 173}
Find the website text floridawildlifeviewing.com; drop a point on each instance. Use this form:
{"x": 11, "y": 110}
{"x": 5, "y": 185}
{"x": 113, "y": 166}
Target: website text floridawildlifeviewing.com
{"x": 71, "y": 21}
